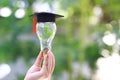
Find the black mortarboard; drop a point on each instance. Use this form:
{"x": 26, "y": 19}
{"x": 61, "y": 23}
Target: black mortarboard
{"x": 43, "y": 17}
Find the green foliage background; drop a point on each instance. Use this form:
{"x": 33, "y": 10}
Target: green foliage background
{"x": 74, "y": 39}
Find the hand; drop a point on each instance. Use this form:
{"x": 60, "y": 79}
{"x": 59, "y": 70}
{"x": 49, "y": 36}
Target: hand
{"x": 36, "y": 72}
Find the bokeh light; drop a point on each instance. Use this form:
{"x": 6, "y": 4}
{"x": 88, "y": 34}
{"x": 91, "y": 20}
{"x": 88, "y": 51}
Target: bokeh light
{"x": 97, "y": 11}
{"x": 5, "y": 12}
{"x": 118, "y": 41}
{"x": 19, "y": 3}
{"x": 105, "y": 53}
{"x": 4, "y": 70}
{"x": 20, "y": 13}
{"x": 94, "y": 20}
{"x": 109, "y": 39}
{"x": 39, "y": 7}
{"x": 108, "y": 68}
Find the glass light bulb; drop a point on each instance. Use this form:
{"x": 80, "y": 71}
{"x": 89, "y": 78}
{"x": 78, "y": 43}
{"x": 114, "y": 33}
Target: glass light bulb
{"x": 46, "y": 32}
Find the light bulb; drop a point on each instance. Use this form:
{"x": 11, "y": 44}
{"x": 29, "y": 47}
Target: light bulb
{"x": 45, "y": 28}
{"x": 45, "y": 32}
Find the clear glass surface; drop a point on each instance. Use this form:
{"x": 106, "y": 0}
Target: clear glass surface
{"x": 46, "y": 32}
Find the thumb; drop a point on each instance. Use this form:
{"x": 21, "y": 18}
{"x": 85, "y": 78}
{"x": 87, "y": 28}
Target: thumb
{"x": 44, "y": 69}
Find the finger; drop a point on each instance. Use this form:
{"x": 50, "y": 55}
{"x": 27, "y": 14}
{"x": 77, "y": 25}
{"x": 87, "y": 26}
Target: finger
{"x": 39, "y": 59}
{"x": 51, "y": 62}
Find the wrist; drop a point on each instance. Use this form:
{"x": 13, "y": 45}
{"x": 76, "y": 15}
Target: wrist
{"x": 47, "y": 79}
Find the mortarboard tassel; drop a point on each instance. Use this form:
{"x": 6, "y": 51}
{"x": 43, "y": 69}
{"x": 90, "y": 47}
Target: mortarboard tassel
{"x": 34, "y": 22}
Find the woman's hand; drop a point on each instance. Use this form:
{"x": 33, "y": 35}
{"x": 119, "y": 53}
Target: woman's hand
{"x": 36, "y": 72}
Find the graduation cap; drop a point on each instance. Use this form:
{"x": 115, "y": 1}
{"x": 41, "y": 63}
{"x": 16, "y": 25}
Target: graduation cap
{"x": 43, "y": 17}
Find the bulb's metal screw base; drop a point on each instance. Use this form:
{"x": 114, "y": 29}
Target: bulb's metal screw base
{"x": 44, "y": 51}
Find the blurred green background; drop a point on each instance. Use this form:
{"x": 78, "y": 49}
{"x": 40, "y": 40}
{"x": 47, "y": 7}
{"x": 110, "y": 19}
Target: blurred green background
{"x": 78, "y": 43}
